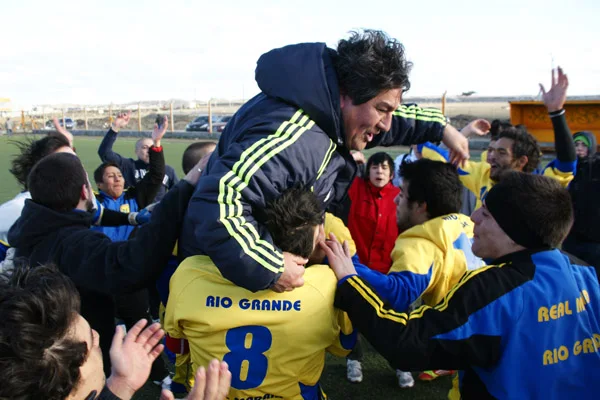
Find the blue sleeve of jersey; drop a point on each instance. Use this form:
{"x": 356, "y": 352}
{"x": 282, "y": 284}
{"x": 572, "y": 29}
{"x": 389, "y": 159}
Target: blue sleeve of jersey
{"x": 562, "y": 166}
{"x": 399, "y": 289}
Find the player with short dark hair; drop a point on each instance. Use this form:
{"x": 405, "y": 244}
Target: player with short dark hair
{"x": 194, "y": 153}
{"x": 433, "y": 250}
{"x": 218, "y": 318}
{"x": 54, "y": 227}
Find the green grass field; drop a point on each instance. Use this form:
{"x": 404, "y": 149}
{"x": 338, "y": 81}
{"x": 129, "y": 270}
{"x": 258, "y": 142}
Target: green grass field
{"x": 379, "y": 379}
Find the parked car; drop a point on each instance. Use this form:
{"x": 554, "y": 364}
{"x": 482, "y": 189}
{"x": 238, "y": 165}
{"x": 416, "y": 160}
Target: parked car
{"x": 220, "y": 126}
{"x": 201, "y": 121}
{"x": 69, "y": 124}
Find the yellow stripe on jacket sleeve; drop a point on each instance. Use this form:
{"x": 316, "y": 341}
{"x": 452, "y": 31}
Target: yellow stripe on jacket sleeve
{"x": 373, "y": 299}
{"x": 387, "y": 313}
{"x": 232, "y": 183}
{"x": 418, "y": 313}
{"x": 330, "y": 151}
{"x": 421, "y": 114}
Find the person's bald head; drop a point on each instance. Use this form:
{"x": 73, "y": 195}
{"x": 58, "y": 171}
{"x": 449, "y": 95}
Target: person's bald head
{"x": 142, "y": 147}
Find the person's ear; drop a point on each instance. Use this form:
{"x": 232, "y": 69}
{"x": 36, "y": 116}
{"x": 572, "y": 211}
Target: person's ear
{"x": 345, "y": 101}
{"x": 85, "y": 192}
{"x": 421, "y": 209}
{"x": 522, "y": 162}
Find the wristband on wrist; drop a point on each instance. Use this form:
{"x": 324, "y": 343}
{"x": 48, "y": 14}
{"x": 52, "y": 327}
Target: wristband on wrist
{"x": 131, "y": 218}
{"x": 556, "y": 113}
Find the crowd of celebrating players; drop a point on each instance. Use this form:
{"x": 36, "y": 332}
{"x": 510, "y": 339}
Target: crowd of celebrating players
{"x": 282, "y": 242}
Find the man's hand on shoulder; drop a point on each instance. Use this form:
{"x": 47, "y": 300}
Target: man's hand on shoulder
{"x": 338, "y": 257}
{"x": 293, "y": 273}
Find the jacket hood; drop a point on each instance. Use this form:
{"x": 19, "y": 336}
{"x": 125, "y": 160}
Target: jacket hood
{"x": 591, "y": 138}
{"x": 447, "y": 225}
{"x": 303, "y": 75}
{"x": 37, "y": 221}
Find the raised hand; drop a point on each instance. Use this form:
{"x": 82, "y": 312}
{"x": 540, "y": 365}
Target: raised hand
{"x": 121, "y": 121}
{"x": 159, "y": 131}
{"x": 63, "y": 131}
{"x": 478, "y": 127}
{"x": 555, "y": 98}
{"x": 132, "y": 356}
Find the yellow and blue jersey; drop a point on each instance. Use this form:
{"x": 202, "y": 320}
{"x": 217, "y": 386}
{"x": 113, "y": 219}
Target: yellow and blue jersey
{"x": 527, "y": 327}
{"x": 336, "y": 226}
{"x": 274, "y": 343}
{"x": 427, "y": 261}
{"x": 475, "y": 175}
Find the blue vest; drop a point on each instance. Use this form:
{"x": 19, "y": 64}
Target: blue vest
{"x": 122, "y": 204}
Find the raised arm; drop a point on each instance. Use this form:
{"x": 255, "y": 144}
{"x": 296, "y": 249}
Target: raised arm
{"x": 99, "y": 265}
{"x": 105, "y": 151}
{"x": 61, "y": 130}
{"x": 148, "y": 187}
{"x": 412, "y": 124}
{"x": 554, "y": 100}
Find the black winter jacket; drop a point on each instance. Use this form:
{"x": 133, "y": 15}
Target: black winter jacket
{"x": 585, "y": 193}
{"x": 99, "y": 267}
{"x": 291, "y": 133}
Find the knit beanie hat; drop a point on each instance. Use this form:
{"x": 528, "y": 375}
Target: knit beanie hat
{"x": 583, "y": 139}
{"x": 501, "y": 203}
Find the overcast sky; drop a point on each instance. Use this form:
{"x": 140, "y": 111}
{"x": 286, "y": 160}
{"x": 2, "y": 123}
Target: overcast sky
{"x": 93, "y": 52}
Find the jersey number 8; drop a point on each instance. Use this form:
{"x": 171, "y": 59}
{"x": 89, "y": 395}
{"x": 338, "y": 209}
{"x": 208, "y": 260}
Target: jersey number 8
{"x": 246, "y": 359}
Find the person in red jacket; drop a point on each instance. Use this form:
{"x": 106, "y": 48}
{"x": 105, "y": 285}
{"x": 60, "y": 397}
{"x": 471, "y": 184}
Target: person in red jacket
{"x": 372, "y": 218}
{"x": 372, "y": 224}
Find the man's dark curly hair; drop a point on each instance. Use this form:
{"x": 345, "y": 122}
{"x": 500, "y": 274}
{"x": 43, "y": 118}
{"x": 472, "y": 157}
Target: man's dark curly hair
{"x": 38, "y": 357}
{"x": 30, "y": 152}
{"x": 370, "y": 62}
{"x": 524, "y": 145}
{"x": 291, "y": 219}
{"x": 497, "y": 127}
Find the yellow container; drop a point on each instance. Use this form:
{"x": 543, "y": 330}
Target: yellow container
{"x": 582, "y": 115}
